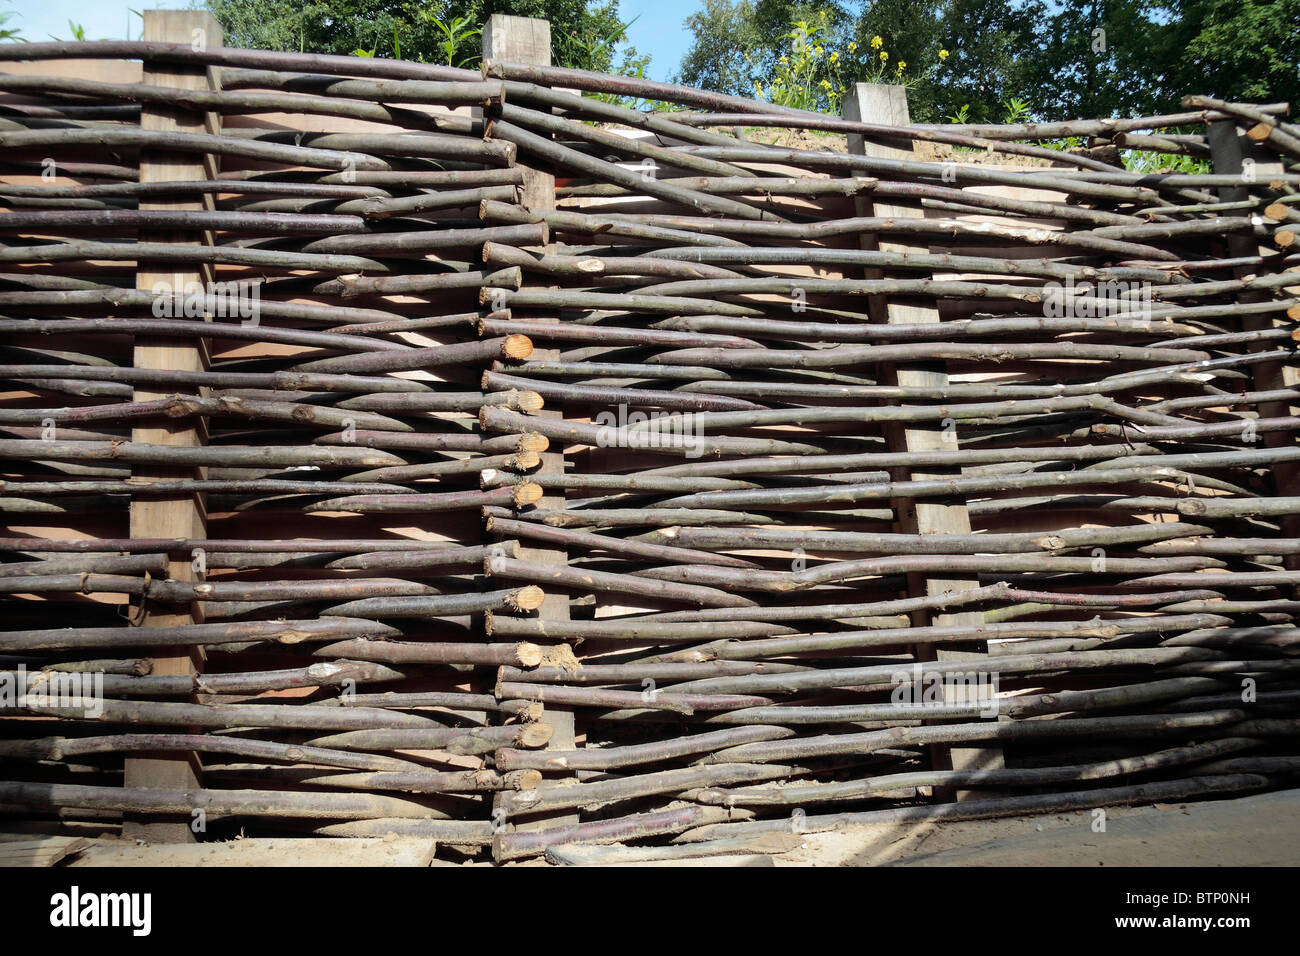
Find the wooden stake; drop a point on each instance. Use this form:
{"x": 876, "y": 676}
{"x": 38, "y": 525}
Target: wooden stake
{"x": 878, "y": 103}
{"x": 1229, "y": 156}
{"x": 182, "y": 515}
{"x": 527, "y": 40}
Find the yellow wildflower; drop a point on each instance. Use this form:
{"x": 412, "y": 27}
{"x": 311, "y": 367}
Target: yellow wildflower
{"x": 835, "y": 57}
{"x": 884, "y": 55}
{"x": 818, "y": 50}
{"x": 943, "y": 54}
{"x": 877, "y": 43}
{"x": 902, "y": 65}
{"x": 853, "y": 45}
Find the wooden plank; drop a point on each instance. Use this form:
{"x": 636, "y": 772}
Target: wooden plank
{"x": 517, "y": 40}
{"x": 296, "y": 852}
{"x": 684, "y": 854}
{"x": 879, "y": 103}
{"x": 45, "y": 851}
{"x": 734, "y": 860}
{"x": 528, "y": 40}
{"x": 181, "y": 516}
{"x": 1230, "y": 152}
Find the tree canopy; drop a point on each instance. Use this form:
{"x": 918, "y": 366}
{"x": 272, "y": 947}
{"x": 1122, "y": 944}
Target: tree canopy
{"x": 1061, "y": 58}
{"x": 433, "y": 31}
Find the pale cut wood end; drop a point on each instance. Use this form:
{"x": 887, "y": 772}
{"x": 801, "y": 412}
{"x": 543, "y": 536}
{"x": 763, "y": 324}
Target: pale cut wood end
{"x": 526, "y": 494}
{"x": 529, "y": 598}
{"x": 517, "y": 346}
{"x": 534, "y": 441}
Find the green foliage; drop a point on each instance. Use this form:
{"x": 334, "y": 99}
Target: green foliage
{"x": 9, "y": 34}
{"x": 727, "y": 44}
{"x": 911, "y": 34}
{"x": 1139, "y": 57}
{"x": 77, "y": 30}
{"x": 460, "y": 43}
{"x": 733, "y": 47}
{"x": 816, "y": 55}
{"x": 1068, "y": 58}
{"x": 808, "y": 76}
{"x": 991, "y": 42}
{"x": 1016, "y": 111}
{"x": 730, "y": 49}
{"x": 1144, "y": 161}
{"x": 1236, "y": 50}
{"x": 583, "y": 34}
{"x": 632, "y": 64}
{"x": 1095, "y": 58}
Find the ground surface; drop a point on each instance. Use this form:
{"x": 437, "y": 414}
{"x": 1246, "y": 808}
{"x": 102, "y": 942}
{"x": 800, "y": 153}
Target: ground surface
{"x": 838, "y": 143}
{"x": 1261, "y": 830}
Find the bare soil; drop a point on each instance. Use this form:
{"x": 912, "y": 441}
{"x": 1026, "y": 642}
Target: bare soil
{"x": 838, "y": 143}
{"x": 1262, "y": 830}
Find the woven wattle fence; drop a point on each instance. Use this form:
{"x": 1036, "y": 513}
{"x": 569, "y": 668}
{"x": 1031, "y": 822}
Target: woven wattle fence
{"x": 767, "y": 471}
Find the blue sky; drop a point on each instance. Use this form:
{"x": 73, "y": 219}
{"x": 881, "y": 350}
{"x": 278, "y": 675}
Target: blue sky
{"x": 657, "y": 30}
{"x": 103, "y": 19}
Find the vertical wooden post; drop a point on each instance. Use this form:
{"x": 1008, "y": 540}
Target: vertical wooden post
{"x": 1229, "y": 153}
{"x": 182, "y": 515}
{"x": 528, "y": 40}
{"x": 880, "y": 103}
